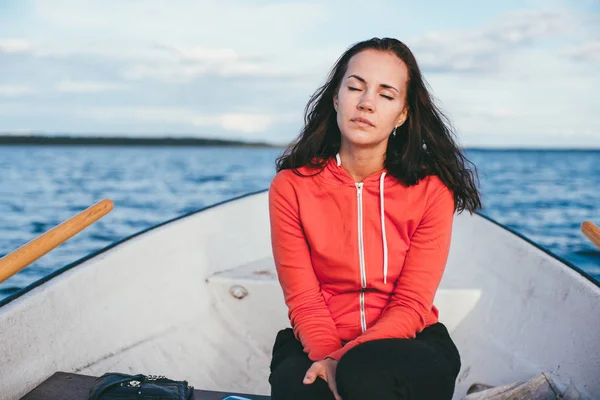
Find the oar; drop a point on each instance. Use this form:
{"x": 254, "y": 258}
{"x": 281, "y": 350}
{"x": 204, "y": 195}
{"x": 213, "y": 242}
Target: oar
{"x": 31, "y": 251}
{"x": 592, "y": 232}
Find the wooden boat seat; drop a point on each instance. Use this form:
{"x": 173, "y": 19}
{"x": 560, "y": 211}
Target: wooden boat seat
{"x": 259, "y": 280}
{"x": 257, "y": 284}
{"x": 67, "y": 386}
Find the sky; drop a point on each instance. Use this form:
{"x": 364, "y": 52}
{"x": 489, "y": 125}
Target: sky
{"x": 508, "y": 74}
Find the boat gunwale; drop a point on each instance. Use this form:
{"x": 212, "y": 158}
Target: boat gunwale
{"x": 52, "y": 275}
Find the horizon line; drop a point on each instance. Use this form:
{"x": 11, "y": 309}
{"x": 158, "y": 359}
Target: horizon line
{"x": 8, "y": 138}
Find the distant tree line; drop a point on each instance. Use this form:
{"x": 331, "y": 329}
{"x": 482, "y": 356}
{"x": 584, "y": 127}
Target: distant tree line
{"x": 121, "y": 141}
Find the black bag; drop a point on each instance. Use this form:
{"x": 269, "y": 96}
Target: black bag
{"x": 115, "y": 386}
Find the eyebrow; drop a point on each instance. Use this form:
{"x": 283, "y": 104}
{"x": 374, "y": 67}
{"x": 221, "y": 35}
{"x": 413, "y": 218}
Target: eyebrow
{"x": 383, "y": 85}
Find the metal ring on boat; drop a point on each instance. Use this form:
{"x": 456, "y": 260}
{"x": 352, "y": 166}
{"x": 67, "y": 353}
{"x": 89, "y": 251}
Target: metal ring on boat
{"x": 239, "y": 292}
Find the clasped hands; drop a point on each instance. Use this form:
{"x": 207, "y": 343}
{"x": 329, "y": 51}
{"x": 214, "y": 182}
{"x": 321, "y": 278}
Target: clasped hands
{"x": 324, "y": 369}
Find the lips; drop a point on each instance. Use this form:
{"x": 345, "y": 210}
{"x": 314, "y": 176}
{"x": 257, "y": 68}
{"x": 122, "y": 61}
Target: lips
{"x": 362, "y": 121}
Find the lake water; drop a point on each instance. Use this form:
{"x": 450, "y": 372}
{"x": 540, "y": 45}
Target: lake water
{"x": 543, "y": 195}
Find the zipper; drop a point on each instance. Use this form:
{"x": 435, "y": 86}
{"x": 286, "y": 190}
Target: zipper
{"x": 361, "y": 253}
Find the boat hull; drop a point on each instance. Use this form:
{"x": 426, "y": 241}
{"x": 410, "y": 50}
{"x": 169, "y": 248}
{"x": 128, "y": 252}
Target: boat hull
{"x": 198, "y": 299}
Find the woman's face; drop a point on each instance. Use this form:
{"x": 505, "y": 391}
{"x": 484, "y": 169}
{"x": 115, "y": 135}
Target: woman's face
{"x": 370, "y": 102}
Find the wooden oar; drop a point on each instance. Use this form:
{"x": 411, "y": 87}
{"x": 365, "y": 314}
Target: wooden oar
{"x": 31, "y": 251}
{"x": 592, "y": 232}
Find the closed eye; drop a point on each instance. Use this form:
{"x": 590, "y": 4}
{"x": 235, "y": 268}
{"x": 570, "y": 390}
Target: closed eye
{"x": 354, "y": 89}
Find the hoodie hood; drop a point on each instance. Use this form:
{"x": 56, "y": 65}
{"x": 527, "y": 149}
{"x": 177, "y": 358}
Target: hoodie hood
{"x": 334, "y": 173}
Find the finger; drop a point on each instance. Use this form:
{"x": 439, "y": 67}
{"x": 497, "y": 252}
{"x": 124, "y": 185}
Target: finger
{"x": 309, "y": 378}
{"x": 331, "y": 371}
{"x": 333, "y": 388}
{"x": 311, "y": 375}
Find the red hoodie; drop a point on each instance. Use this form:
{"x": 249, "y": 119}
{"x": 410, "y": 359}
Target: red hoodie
{"x": 358, "y": 261}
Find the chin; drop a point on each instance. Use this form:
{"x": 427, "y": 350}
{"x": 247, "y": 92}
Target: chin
{"x": 362, "y": 138}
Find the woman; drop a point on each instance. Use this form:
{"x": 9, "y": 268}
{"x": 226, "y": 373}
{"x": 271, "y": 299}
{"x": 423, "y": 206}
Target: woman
{"x": 361, "y": 213}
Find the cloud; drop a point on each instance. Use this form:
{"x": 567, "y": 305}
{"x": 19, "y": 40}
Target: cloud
{"x": 587, "y": 52}
{"x": 87, "y": 87}
{"x": 481, "y": 50}
{"x": 185, "y": 63}
{"x": 496, "y": 112}
{"x": 16, "y": 46}
{"x": 175, "y": 72}
{"x": 245, "y": 123}
{"x": 202, "y": 54}
{"x": 15, "y": 90}
{"x": 538, "y": 120}
{"x": 178, "y": 41}
{"x": 240, "y": 24}
{"x": 527, "y": 27}
{"x": 246, "y": 69}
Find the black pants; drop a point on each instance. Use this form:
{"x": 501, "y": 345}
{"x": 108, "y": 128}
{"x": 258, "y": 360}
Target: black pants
{"x": 424, "y": 368}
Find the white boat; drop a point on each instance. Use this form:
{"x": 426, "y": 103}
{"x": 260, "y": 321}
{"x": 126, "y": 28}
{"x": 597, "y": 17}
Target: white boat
{"x": 197, "y": 298}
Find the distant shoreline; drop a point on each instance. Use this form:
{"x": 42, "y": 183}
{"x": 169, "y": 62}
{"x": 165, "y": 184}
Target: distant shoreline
{"x": 47, "y": 140}
{"x": 35, "y": 140}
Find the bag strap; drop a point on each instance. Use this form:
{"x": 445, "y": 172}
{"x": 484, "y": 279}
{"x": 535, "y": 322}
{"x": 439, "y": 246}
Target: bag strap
{"x": 109, "y": 380}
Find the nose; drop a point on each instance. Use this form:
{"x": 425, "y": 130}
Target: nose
{"x": 366, "y": 102}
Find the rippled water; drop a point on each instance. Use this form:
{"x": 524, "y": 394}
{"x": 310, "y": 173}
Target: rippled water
{"x": 544, "y": 195}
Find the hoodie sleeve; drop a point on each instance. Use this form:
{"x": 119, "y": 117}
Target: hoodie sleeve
{"x": 412, "y": 298}
{"x": 309, "y": 316}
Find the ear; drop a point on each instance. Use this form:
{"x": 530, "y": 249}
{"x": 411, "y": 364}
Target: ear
{"x": 335, "y": 102}
{"x": 402, "y": 117}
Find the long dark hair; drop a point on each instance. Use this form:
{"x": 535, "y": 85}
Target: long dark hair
{"x": 424, "y": 145}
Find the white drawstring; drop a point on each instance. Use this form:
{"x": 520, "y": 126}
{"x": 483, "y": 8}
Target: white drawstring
{"x": 385, "y": 248}
{"x": 383, "y": 236}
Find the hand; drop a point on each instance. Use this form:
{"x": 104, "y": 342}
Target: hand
{"x": 325, "y": 369}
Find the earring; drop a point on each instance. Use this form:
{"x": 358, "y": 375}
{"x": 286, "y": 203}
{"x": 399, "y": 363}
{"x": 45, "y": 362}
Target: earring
{"x": 394, "y": 131}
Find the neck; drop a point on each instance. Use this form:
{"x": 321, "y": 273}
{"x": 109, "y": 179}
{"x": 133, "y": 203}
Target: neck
{"x": 360, "y": 163}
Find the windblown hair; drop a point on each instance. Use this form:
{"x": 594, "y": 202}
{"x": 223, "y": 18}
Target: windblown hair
{"x": 424, "y": 145}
